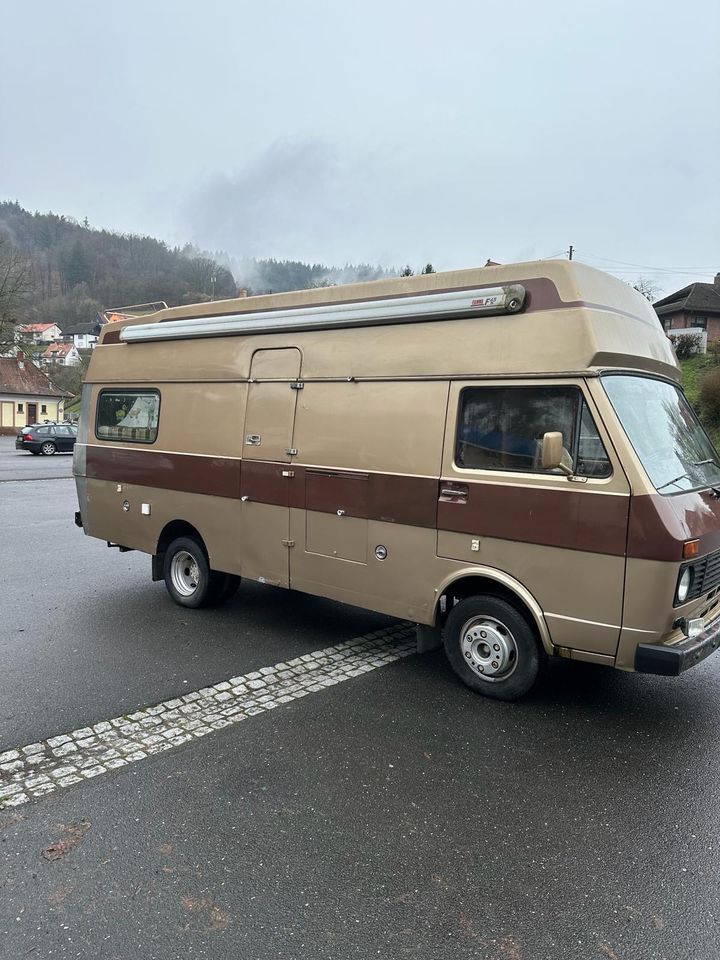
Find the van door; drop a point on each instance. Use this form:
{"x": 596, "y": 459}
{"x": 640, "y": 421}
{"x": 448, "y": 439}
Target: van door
{"x": 265, "y": 475}
{"x": 562, "y": 537}
{"x": 364, "y": 498}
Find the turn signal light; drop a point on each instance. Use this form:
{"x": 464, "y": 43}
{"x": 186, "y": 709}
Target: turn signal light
{"x": 691, "y": 548}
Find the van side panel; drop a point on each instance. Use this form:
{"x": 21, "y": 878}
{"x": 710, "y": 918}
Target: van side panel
{"x": 366, "y": 477}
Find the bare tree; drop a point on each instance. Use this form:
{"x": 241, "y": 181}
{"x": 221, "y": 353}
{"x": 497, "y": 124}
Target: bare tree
{"x": 648, "y": 288}
{"x": 14, "y": 290}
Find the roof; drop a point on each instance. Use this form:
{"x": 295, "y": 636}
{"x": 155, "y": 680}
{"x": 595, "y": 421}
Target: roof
{"x": 572, "y": 318}
{"x": 27, "y": 380}
{"x": 84, "y": 328}
{"x": 37, "y": 327}
{"x": 695, "y": 298}
{"x": 53, "y": 349}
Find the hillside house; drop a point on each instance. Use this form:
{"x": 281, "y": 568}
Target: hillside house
{"x": 41, "y": 332}
{"x": 694, "y": 308}
{"x": 83, "y": 335}
{"x": 27, "y": 395}
{"x": 64, "y": 353}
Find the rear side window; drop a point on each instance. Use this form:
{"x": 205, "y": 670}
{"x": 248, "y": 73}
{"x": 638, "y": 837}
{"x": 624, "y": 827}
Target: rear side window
{"x": 128, "y": 415}
{"x": 501, "y": 428}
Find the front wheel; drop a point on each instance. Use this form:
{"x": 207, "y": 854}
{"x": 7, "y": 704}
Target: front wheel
{"x": 189, "y": 579}
{"x": 492, "y": 647}
{"x": 48, "y": 448}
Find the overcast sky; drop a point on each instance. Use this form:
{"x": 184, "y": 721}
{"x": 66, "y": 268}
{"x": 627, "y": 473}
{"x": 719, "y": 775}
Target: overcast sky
{"x": 387, "y": 132}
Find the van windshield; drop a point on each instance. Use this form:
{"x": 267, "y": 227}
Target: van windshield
{"x": 672, "y": 446}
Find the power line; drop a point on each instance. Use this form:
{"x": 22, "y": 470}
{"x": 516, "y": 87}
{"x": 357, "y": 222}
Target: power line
{"x": 645, "y": 266}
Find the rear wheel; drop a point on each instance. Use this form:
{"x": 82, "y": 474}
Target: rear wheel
{"x": 189, "y": 579}
{"x": 492, "y": 647}
{"x": 48, "y": 448}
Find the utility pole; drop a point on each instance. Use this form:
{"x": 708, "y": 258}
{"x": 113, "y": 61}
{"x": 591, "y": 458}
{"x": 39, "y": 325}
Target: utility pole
{"x": 570, "y": 252}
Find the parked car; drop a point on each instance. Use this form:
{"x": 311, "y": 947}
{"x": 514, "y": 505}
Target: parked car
{"x": 47, "y": 438}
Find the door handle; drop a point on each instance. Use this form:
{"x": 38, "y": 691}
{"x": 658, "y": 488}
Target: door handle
{"x": 253, "y": 440}
{"x": 451, "y": 492}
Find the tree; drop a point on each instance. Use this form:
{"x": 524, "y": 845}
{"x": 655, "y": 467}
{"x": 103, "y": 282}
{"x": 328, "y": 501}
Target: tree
{"x": 648, "y": 288}
{"x": 75, "y": 267}
{"x": 428, "y": 268}
{"x": 407, "y": 272}
{"x": 14, "y": 290}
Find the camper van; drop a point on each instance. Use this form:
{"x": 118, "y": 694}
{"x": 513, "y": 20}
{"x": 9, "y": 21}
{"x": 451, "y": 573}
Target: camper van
{"x": 501, "y": 455}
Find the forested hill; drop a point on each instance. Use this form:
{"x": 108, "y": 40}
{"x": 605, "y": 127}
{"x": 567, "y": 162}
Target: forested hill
{"x": 65, "y": 271}
{"x": 72, "y": 270}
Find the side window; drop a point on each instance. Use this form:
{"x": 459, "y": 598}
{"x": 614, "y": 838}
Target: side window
{"x": 501, "y": 428}
{"x": 128, "y": 415}
{"x": 592, "y": 459}
{"x": 43, "y": 431}
{"x": 63, "y": 431}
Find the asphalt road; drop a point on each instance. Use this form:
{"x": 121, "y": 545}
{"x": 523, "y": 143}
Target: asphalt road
{"x": 394, "y": 814}
{"x": 18, "y": 465}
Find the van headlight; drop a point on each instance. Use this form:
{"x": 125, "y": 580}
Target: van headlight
{"x": 684, "y": 584}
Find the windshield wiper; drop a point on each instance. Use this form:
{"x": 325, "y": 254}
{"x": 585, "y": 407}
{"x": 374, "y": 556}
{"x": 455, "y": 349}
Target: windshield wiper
{"x": 676, "y": 480}
{"x": 683, "y": 476}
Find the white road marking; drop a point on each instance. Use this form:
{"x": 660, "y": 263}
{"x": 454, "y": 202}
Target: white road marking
{"x": 38, "y": 769}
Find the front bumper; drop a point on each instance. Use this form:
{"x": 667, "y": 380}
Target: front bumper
{"x": 670, "y": 661}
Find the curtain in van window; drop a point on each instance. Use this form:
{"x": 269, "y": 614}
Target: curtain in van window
{"x": 501, "y": 428}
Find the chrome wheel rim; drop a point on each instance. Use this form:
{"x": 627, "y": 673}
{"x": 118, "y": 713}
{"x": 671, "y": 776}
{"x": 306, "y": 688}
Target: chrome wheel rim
{"x": 184, "y": 573}
{"x": 489, "y": 649}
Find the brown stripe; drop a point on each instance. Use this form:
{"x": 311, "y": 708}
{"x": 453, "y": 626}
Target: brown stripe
{"x": 659, "y": 526}
{"x": 569, "y": 519}
{"x": 330, "y": 491}
{"x": 263, "y": 482}
{"x": 565, "y": 518}
{"x": 397, "y": 499}
{"x": 214, "y": 476}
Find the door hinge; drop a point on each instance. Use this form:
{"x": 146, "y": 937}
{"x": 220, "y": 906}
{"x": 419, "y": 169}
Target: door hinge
{"x": 291, "y": 451}
{"x": 288, "y": 543}
{"x": 298, "y": 385}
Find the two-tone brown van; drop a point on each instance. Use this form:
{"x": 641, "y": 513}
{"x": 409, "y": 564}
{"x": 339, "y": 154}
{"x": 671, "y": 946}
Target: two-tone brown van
{"x": 502, "y": 455}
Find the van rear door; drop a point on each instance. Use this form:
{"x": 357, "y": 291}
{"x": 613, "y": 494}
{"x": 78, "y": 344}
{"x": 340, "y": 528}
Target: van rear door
{"x": 265, "y": 475}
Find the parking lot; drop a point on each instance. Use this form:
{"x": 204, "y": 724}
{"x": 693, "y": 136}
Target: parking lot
{"x": 358, "y": 802}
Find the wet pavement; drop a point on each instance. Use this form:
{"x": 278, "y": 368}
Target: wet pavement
{"x": 392, "y": 814}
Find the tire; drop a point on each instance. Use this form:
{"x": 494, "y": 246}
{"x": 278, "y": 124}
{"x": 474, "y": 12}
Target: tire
{"x": 48, "y": 448}
{"x": 224, "y": 586}
{"x": 493, "y": 648}
{"x": 189, "y": 579}
{"x": 187, "y": 574}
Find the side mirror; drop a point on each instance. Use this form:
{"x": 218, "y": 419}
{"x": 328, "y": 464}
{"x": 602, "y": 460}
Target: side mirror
{"x": 554, "y": 456}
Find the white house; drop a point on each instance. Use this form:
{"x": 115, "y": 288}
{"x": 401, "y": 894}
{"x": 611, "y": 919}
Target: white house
{"x": 83, "y": 335}
{"x": 64, "y": 353}
{"x": 42, "y": 332}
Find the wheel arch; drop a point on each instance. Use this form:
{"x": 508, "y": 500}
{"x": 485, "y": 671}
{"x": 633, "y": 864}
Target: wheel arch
{"x": 171, "y": 531}
{"x": 475, "y": 580}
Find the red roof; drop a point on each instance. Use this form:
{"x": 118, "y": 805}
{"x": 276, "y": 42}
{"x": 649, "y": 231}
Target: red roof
{"x": 28, "y": 380}
{"x": 37, "y": 327}
{"x": 57, "y": 349}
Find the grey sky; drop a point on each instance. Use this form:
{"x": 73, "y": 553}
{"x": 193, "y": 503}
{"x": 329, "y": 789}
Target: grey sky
{"x": 387, "y": 132}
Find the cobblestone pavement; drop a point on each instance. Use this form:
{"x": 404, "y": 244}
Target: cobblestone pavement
{"x": 41, "y": 768}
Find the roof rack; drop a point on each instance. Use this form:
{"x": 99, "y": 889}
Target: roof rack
{"x": 112, "y": 314}
{"x": 453, "y": 304}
